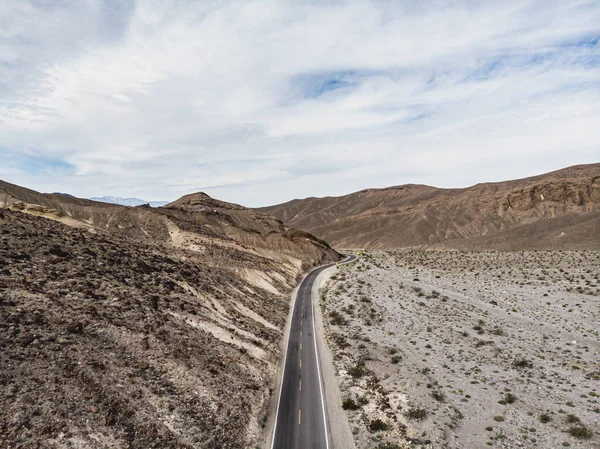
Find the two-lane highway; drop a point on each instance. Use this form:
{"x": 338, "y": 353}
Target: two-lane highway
{"x": 301, "y": 418}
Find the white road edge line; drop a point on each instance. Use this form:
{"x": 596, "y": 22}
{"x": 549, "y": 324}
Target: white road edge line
{"x": 319, "y": 372}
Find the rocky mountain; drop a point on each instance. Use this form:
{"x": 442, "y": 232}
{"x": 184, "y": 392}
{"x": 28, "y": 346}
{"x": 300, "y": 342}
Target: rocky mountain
{"x": 141, "y": 327}
{"x": 131, "y": 202}
{"x": 557, "y": 210}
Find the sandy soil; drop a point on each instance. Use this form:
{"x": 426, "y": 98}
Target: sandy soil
{"x": 468, "y": 350}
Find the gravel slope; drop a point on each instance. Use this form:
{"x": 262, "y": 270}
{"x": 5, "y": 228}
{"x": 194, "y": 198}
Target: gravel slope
{"x": 458, "y": 349}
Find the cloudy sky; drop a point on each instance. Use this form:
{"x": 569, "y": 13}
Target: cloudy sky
{"x": 259, "y": 102}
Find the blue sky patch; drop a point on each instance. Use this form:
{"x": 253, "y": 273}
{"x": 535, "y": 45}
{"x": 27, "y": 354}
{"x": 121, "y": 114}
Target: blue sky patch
{"x": 317, "y": 84}
{"x": 33, "y": 164}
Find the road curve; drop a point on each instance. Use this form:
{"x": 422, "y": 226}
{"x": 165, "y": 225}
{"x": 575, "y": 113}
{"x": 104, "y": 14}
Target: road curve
{"x": 301, "y": 419}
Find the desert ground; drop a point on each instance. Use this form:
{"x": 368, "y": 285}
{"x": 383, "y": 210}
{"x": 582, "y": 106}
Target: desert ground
{"x": 468, "y": 349}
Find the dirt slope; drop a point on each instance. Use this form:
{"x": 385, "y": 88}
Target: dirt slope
{"x": 555, "y": 210}
{"x": 138, "y": 327}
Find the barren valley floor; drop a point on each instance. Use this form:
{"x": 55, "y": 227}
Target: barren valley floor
{"x": 468, "y": 350}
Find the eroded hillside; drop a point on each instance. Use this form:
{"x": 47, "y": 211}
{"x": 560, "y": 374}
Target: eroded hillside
{"x": 558, "y": 210}
{"x": 187, "y": 222}
{"x": 134, "y": 327}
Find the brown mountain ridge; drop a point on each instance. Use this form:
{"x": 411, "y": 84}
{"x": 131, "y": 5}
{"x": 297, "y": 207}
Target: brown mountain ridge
{"x": 197, "y": 213}
{"x": 556, "y": 210}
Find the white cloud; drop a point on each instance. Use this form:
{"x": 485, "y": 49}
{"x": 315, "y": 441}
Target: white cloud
{"x": 262, "y": 101}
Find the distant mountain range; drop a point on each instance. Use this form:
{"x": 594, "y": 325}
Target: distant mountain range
{"x": 132, "y": 202}
{"x": 557, "y": 210}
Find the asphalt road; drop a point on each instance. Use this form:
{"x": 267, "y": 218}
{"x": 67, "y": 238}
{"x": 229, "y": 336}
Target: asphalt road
{"x": 301, "y": 420}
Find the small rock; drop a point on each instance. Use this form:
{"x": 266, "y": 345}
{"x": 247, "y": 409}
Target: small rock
{"x": 110, "y": 419}
{"x": 27, "y": 340}
{"x": 76, "y": 327}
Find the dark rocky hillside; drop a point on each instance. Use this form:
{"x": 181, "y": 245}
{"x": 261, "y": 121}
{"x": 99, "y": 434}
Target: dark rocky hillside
{"x": 139, "y": 328}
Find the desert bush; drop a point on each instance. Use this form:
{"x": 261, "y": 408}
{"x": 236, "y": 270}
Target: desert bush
{"x": 581, "y": 432}
{"x": 573, "y": 419}
{"x": 522, "y": 363}
{"x": 349, "y": 404}
{"x": 378, "y": 425}
{"x": 336, "y": 318}
{"x": 357, "y": 370}
{"x": 416, "y": 413}
{"x": 437, "y": 395}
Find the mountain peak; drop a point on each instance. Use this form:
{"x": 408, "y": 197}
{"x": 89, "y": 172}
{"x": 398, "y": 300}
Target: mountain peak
{"x": 198, "y": 201}
{"x": 131, "y": 202}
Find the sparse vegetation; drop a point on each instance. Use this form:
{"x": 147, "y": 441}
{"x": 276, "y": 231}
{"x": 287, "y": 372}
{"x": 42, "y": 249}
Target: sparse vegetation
{"x": 460, "y": 349}
{"x": 358, "y": 370}
{"x": 522, "y": 363}
{"x": 573, "y": 419}
{"x": 416, "y": 413}
{"x": 377, "y": 425}
{"x": 581, "y": 432}
{"x": 336, "y": 318}
{"x": 349, "y": 404}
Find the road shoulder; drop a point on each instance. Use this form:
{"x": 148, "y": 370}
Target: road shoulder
{"x": 339, "y": 428}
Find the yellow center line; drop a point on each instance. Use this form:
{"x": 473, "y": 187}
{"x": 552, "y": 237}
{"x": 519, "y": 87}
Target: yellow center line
{"x": 300, "y": 363}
